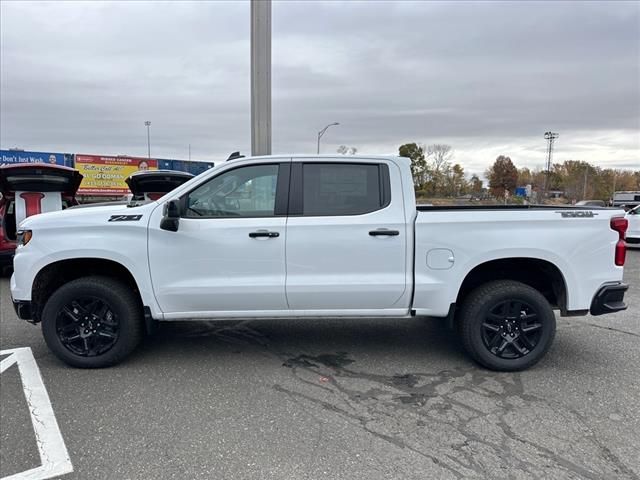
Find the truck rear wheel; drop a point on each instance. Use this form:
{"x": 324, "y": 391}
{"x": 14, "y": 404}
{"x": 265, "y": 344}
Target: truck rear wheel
{"x": 92, "y": 322}
{"x": 506, "y": 325}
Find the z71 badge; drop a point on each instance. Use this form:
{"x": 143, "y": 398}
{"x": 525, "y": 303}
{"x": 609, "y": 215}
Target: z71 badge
{"x": 578, "y": 214}
{"x": 125, "y": 218}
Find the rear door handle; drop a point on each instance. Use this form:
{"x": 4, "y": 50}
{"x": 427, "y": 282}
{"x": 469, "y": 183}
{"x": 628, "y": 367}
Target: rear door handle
{"x": 264, "y": 233}
{"x": 384, "y": 232}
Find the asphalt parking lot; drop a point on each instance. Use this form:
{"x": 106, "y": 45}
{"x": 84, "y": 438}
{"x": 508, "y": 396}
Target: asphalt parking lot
{"x": 340, "y": 399}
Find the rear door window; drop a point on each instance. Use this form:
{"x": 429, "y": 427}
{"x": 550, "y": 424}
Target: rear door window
{"x": 332, "y": 189}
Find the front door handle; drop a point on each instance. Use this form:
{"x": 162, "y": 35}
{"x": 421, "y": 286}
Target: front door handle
{"x": 384, "y": 232}
{"x": 264, "y": 233}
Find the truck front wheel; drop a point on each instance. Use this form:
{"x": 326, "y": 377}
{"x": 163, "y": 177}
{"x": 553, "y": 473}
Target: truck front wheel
{"x": 92, "y": 322}
{"x": 506, "y": 325}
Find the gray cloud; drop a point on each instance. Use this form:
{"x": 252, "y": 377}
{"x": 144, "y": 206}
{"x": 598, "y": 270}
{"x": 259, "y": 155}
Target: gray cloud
{"x": 488, "y": 78}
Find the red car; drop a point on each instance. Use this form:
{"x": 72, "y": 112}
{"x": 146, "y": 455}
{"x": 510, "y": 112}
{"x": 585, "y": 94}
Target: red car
{"x": 28, "y": 189}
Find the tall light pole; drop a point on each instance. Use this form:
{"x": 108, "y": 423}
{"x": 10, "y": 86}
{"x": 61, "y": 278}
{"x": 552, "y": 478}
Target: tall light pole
{"x": 321, "y": 133}
{"x": 584, "y": 190}
{"x": 260, "y": 77}
{"x": 550, "y": 137}
{"x": 148, "y": 124}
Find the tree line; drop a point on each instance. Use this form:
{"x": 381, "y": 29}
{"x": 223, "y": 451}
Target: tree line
{"x": 573, "y": 179}
{"x": 436, "y": 175}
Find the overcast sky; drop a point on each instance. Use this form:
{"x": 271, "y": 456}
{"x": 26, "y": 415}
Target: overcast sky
{"x": 486, "y": 78}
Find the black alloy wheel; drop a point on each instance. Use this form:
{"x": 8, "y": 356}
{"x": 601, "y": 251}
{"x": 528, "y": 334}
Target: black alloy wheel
{"x": 93, "y": 322}
{"x": 511, "y": 329}
{"x": 506, "y": 325}
{"x": 87, "y": 326}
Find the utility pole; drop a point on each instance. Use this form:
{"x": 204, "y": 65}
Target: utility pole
{"x": 189, "y": 152}
{"x": 550, "y": 137}
{"x": 148, "y": 124}
{"x": 584, "y": 190}
{"x": 260, "y": 77}
{"x": 321, "y": 133}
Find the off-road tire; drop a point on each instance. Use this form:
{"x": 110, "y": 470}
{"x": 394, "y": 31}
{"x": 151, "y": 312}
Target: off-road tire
{"x": 124, "y": 304}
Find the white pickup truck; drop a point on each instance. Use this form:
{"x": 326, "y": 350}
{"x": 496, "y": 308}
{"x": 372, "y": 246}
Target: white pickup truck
{"x": 315, "y": 237}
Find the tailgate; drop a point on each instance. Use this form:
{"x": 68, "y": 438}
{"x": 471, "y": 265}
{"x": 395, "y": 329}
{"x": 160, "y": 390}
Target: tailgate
{"x": 38, "y": 177}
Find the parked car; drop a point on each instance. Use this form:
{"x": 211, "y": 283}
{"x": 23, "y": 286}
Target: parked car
{"x": 151, "y": 185}
{"x": 28, "y": 189}
{"x": 591, "y": 203}
{"x": 315, "y": 237}
{"x": 147, "y": 186}
{"x": 633, "y": 233}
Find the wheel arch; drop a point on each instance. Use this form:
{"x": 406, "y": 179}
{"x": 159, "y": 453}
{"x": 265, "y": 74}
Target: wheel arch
{"x": 540, "y": 274}
{"x": 55, "y": 274}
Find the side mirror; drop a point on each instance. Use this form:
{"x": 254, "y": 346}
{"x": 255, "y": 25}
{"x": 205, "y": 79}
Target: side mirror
{"x": 171, "y": 218}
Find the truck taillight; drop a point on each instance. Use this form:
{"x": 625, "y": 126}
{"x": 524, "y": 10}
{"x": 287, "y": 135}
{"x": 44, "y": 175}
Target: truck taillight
{"x": 620, "y": 224}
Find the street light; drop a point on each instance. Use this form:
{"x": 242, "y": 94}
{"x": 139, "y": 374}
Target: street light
{"x": 321, "y": 133}
{"x": 148, "y": 124}
{"x": 550, "y": 137}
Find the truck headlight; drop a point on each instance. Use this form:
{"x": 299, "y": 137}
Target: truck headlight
{"x": 24, "y": 236}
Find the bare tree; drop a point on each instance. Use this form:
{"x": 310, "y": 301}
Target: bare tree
{"x": 440, "y": 156}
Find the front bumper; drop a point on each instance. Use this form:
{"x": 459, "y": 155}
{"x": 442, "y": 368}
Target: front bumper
{"x": 23, "y": 309}
{"x": 609, "y": 299}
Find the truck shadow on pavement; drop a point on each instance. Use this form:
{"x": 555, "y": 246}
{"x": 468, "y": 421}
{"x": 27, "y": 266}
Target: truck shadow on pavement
{"x": 461, "y": 421}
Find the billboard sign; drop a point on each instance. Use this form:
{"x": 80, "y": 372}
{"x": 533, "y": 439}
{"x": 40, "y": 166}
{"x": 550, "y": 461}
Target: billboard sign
{"x": 10, "y": 157}
{"x": 106, "y": 175}
{"x": 195, "y": 167}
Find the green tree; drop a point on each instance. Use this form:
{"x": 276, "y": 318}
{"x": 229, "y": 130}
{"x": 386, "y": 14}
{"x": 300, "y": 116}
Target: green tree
{"x": 456, "y": 183}
{"x": 503, "y": 176}
{"x": 476, "y": 185}
{"x": 415, "y": 152}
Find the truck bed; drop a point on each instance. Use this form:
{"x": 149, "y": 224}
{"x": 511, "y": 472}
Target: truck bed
{"x": 432, "y": 208}
{"x": 578, "y": 241}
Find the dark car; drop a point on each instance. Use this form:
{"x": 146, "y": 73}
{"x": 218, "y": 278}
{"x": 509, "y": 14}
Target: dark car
{"x": 147, "y": 186}
{"x": 28, "y": 189}
{"x": 153, "y": 184}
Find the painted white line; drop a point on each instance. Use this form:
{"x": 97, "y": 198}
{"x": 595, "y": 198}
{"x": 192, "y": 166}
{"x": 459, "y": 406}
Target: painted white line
{"x": 53, "y": 452}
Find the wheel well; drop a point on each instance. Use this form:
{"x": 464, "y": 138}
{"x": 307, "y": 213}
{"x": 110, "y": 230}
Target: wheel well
{"x": 56, "y": 274}
{"x": 539, "y": 274}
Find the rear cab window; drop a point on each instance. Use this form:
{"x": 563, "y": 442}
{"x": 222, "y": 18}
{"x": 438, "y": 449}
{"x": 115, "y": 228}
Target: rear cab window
{"x": 335, "y": 189}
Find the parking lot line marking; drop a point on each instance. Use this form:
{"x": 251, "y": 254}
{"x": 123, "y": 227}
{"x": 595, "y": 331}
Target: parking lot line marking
{"x": 53, "y": 452}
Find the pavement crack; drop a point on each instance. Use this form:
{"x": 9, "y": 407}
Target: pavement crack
{"x": 612, "y": 329}
{"x": 36, "y": 418}
{"x": 469, "y": 415}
